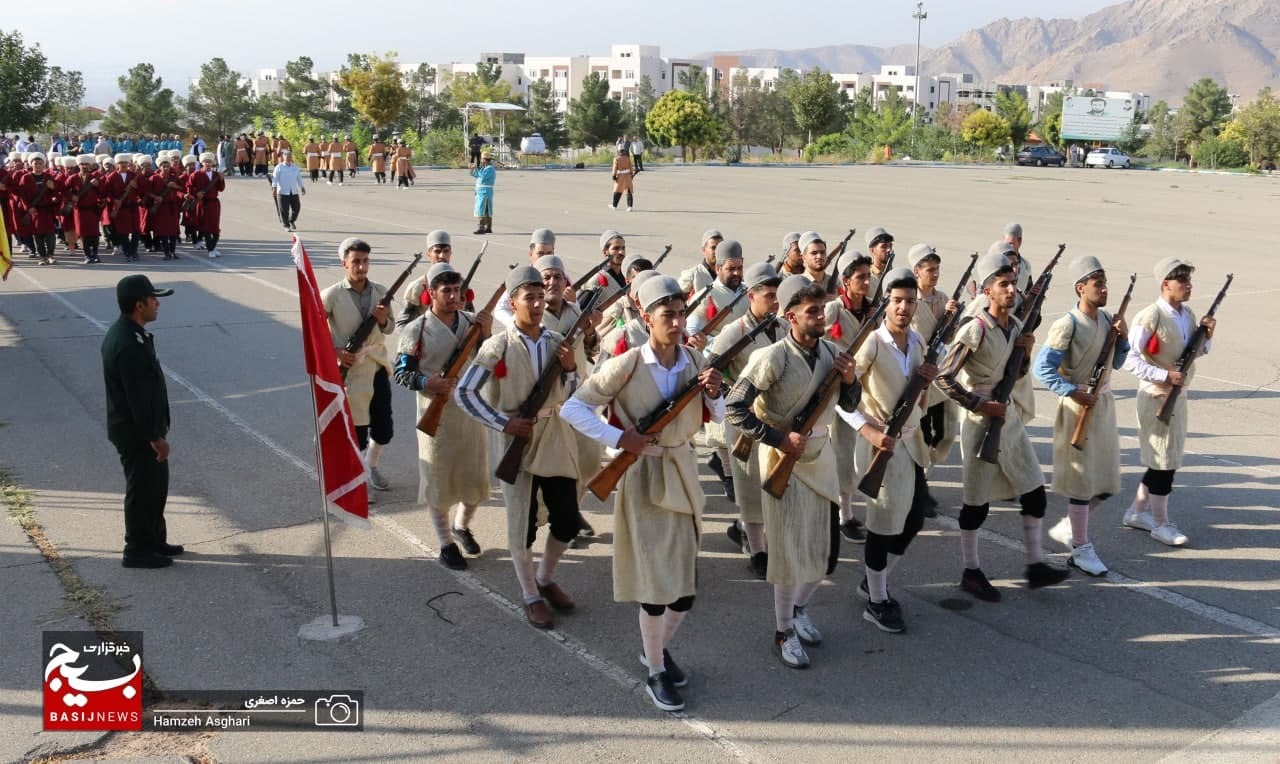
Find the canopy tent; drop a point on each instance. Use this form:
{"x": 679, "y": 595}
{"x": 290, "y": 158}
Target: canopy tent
{"x": 492, "y": 110}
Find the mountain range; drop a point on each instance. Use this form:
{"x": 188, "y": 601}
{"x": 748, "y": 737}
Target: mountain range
{"x": 1158, "y": 47}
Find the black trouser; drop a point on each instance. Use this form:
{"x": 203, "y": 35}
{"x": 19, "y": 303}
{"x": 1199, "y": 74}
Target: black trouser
{"x": 833, "y": 554}
{"x": 44, "y": 244}
{"x": 129, "y": 243}
{"x": 381, "y": 177}
{"x": 244, "y": 168}
{"x": 210, "y": 240}
{"x": 560, "y": 496}
{"x": 168, "y": 245}
{"x": 1158, "y": 482}
{"x": 933, "y": 425}
{"x": 331, "y": 172}
{"x": 146, "y": 489}
{"x": 90, "y": 244}
{"x": 880, "y": 547}
{"x": 475, "y": 157}
{"x": 259, "y": 169}
{"x": 315, "y": 175}
{"x": 380, "y": 425}
{"x": 638, "y": 161}
{"x": 402, "y": 180}
{"x": 290, "y": 206}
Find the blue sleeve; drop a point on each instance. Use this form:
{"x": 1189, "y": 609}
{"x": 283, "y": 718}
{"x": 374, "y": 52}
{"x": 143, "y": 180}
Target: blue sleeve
{"x": 1122, "y": 350}
{"x": 406, "y": 372}
{"x": 1046, "y": 370}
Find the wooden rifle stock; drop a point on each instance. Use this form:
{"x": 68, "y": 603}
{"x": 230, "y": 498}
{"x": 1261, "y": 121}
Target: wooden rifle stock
{"x": 1189, "y": 353}
{"x": 657, "y": 420}
{"x": 362, "y": 332}
{"x": 115, "y": 208}
{"x": 912, "y": 396}
{"x": 1101, "y": 370}
{"x": 990, "y": 449}
{"x": 778, "y": 478}
{"x": 429, "y": 422}
{"x": 509, "y": 467}
{"x": 833, "y": 281}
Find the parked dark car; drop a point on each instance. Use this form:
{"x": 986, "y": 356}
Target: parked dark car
{"x": 1040, "y": 156}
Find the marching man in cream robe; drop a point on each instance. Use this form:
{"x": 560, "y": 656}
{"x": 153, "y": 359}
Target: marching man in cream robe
{"x": 695, "y": 279}
{"x": 453, "y": 465}
{"x": 624, "y": 309}
{"x": 1090, "y": 475}
{"x": 776, "y": 386}
{"x": 974, "y": 365}
{"x": 635, "y": 332}
{"x": 1158, "y": 337}
{"x": 941, "y": 418}
{"x": 886, "y": 363}
{"x": 658, "y": 505}
{"x": 492, "y": 390}
{"x": 761, "y": 282}
{"x": 347, "y": 304}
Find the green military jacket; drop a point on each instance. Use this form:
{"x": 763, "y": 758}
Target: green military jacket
{"x": 137, "y": 400}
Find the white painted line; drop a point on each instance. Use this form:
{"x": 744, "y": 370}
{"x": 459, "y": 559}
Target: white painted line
{"x": 605, "y": 667}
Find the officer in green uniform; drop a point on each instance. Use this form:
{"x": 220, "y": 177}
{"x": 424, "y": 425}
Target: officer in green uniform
{"x": 138, "y": 421}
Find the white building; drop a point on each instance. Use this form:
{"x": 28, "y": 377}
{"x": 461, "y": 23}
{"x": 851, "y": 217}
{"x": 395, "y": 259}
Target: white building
{"x": 265, "y": 82}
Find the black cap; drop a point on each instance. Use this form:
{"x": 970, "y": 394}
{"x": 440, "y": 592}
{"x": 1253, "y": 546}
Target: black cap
{"x": 138, "y": 287}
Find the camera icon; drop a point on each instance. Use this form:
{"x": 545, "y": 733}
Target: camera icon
{"x": 337, "y": 711}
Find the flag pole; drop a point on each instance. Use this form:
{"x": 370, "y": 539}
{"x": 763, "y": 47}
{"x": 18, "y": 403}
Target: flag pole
{"x": 324, "y": 509}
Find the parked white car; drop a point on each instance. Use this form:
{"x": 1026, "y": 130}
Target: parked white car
{"x": 1108, "y": 156}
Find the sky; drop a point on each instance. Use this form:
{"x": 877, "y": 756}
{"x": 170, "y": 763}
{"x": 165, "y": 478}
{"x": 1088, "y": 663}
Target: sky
{"x": 178, "y": 38}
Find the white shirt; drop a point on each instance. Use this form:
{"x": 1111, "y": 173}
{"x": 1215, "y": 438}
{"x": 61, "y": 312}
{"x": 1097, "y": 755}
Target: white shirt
{"x": 637, "y": 146}
{"x": 1139, "y": 335}
{"x": 287, "y": 179}
{"x": 583, "y": 418}
{"x": 856, "y": 418}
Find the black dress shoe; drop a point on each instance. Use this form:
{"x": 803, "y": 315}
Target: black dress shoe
{"x": 451, "y": 557}
{"x": 716, "y": 465}
{"x": 1040, "y": 574}
{"x": 584, "y": 527}
{"x": 466, "y": 540}
{"x": 146, "y": 560}
{"x": 170, "y": 550}
{"x": 975, "y": 582}
{"x": 854, "y": 531}
{"x": 760, "y": 564}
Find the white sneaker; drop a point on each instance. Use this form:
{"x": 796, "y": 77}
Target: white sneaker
{"x": 376, "y": 480}
{"x": 1169, "y": 534}
{"x": 1142, "y": 521}
{"x": 214, "y": 253}
{"x": 628, "y": 209}
{"x": 1061, "y": 532}
{"x": 804, "y": 627}
{"x": 1085, "y": 558}
{"x": 791, "y": 651}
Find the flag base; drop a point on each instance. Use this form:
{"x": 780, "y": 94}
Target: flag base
{"x": 323, "y": 630}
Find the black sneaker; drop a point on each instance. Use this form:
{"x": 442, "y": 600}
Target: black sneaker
{"x": 170, "y": 550}
{"x": 729, "y": 493}
{"x": 760, "y": 564}
{"x": 854, "y": 531}
{"x": 887, "y": 616}
{"x": 678, "y": 678}
{"x": 715, "y": 464}
{"x": 864, "y": 591}
{"x": 663, "y": 692}
{"x": 146, "y": 560}
{"x": 463, "y": 536}
{"x": 735, "y": 534}
{"x": 451, "y": 557}
{"x": 584, "y": 528}
{"x": 975, "y": 582}
{"x": 1040, "y": 574}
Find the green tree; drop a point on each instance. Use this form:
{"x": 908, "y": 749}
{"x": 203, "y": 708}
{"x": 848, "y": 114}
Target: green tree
{"x": 1012, "y": 108}
{"x": 146, "y": 106}
{"x": 985, "y": 129}
{"x": 219, "y": 102}
{"x": 815, "y": 99}
{"x": 25, "y": 96}
{"x": 489, "y": 74}
{"x": 377, "y": 92}
{"x": 1205, "y": 106}
{"x": 544, "y": 118}
{"x": 66, "y": 113}
{"x": 1050, "y": 126}
{"x": 421, "y": 101}
{"x": 646, "y": 97}
{"x": 1161, "y": 143}
{"x": 594, "y": 118}
{"x": 484, "y": 86}
{"x": 776, "y": 124}
{"x": 302, "y": 95}
{"x": 683, "y": 119}
{"x": 1257, "y": 127}
{"x": 888, "y": 125}
{"x": 746, "y": 106}
{"x": 694, "y": 80}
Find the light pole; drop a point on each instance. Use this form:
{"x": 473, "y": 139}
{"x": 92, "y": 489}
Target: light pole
{"x": 920, "y": 15}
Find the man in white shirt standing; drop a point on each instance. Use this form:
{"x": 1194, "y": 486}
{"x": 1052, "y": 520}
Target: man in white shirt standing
{"x": 637, "y": 154}
{"x": 287, "y": 189}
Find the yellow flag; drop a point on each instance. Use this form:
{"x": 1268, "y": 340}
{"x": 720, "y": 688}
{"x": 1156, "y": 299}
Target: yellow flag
{"x": 6, "y": 255}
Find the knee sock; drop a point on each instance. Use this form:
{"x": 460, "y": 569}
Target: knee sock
{"x": 1078, "y": 515}
{"x": 1160, "y": 509}
{"x": 550, "y": 558}
{"x": 969, "y": 549}
{"x": 846, "y": 508}
{"x": 723, "y": 453}
{"x": 463, "y": 514}
{"x": 651, "y": 631}
{"x": 630, "y": 199}
{"x": 616, "y": 197}
{"x": 784, "y": 603}
{"x": 523, "y": 561}
{"x": 755, "y": 537}
{"x": 878, "y": 584}
{"x": 804, "y": 592}
{"x": 1141, "y": 499}
{"x": 671, "y": 621}
{"x": 1031, "y": 538}
{"x": 440, "y": 519}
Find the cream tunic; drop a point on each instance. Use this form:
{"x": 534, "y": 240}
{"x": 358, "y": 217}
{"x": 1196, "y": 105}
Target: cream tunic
{"x": 842, "y": 328}
{"x": 552, "y": 450}
{"x": 631, "y": 335}
{"x": 1094, "y": 470}
{"x": 720, "y": 296}
{"x": 1163, "y": 445}
{"x": 695, "y": 279}
{"x": 344, "y": 319}
{"x": 1024, "y": 393}
{"x": 746, "y": 474}
{"x": 658, "y": 505}
{"x": 589, "y": 451}
{"x": 929, "y": 314}
{"x": 798, "y": 524}
{"x": 1018, "y": 471}
{"x": 882, "y": 385}
{"x": 453, "y": 466}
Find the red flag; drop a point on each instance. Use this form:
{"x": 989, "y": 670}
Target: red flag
{"x": 342, "y": 473}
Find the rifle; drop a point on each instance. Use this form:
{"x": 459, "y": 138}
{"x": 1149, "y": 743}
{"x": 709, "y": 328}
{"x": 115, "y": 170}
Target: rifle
{"x": 31, "y": 209}
{"x": 722, "y": 314}
{"x": 833, "y": 281}
{"x": 776, "y": 481}
{"x": 115, "y": 208}
{"x": 581, "y": 282}
{"x": 888, "y": 266}
{"x": 362, "y": 332}
{"x": 84, "y": 189}
{"x": 661, "y": 257}
{"x": 946, "y": 321}
{"x": 429, "y": 422}
{"x": 165, "y": 195}
{"x": 774, "y": 256}
{"x": 471, "y": 272}
{"x": 911, "y": 397}
{"x": 509, "y": 467}
{"x": 1047, "y": 269}
{"x": 696, "y": 300}
{"x": 657, "y": 420}
{"x": 990, "y": 450}
{"x": 1189, "y": 353}
{"x": 1101, "y": 369}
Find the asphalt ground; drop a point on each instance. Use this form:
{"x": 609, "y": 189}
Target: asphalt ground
{"x": 1172, "y": 656}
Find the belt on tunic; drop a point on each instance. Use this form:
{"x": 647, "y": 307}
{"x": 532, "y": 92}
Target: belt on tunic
{"x": 312, "y": 154}
{"x": 1154, "y": 388}
{"x": 624, "y": 172}
{"x": 908, "y": 430}
{"x": 984, "y": 389}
